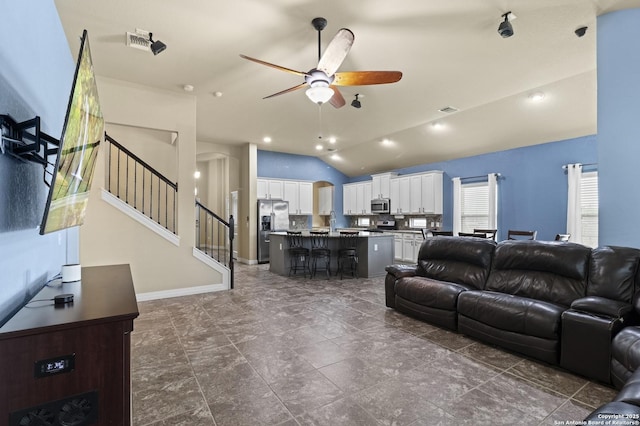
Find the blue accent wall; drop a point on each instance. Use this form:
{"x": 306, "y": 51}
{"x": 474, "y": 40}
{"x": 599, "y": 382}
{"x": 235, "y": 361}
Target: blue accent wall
{"x": 619, "y": 127}
{"x": 279, "y": 165}
{"x": 532, "y": 187}
{"x": 35, "y": 79}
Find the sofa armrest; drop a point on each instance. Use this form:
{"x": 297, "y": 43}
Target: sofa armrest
{"x": 401, "y": 271}
{"x": 602, "y": 306}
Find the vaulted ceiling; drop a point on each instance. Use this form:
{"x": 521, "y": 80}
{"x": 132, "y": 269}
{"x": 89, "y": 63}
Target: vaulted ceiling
{"x": 450, "y": 54}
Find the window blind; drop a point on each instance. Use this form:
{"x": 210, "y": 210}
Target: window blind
{"x": 474, "y": 206}
{"x": 589, "y": 207}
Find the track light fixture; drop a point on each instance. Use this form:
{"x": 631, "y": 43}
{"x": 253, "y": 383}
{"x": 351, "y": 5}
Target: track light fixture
{"x": 156, "y": 46}
{"x": 356, "y": 103}
{"x": 505, "y": 29}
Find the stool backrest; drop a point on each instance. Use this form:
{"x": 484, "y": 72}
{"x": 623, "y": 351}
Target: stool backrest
{"x": 294, "y": 238}
{"x": 319, "y": 239}
{"x": 348, "y": 239}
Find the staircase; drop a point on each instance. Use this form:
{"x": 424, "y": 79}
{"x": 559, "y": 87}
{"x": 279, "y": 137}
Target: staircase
{"x": 152, "y": 199}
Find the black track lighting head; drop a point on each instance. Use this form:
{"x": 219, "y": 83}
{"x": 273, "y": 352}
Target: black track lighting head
{"x": 156, "y": 46}
{"x": 356, "y": 103}
{"x": 505, "y": 29}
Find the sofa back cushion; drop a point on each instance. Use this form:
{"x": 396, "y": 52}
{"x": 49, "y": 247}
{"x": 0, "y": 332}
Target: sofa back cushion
{"x": 461, "y": 260}
{"x": 545, "y": 270}
{"x": 612, "y": 272}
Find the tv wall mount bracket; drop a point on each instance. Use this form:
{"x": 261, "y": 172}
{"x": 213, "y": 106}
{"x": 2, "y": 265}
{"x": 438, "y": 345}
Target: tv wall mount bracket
{"x": 25, "y": 141}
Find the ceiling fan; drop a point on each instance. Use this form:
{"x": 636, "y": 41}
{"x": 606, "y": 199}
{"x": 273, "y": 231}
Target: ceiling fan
{"x": 323, "y": 81}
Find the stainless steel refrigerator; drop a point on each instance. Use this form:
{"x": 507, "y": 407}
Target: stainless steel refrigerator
{"x": 273, "y": 215}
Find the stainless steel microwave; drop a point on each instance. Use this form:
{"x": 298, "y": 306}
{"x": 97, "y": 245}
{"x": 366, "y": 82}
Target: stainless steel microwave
{"x": 381, "y": 206}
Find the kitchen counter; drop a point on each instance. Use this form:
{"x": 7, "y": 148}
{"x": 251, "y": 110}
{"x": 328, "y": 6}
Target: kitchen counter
{"x": 375, "y": 252}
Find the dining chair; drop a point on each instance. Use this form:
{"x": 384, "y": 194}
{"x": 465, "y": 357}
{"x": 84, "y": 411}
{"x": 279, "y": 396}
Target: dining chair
{"x": 521, "y": 235}
{"x": 489, "y": 234}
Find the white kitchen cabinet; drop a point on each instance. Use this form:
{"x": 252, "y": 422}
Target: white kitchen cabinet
{"x": 397, "y": 247}
{"x": 357, "y": 198}
{"x": 325, "y": 200}
{"x": 400, "y": 195}
{"x": 367, "y": 197}
{"x": 431, "y": 194}
{"x": 270, "y": 188}
{"x": 300, "y": 197}
{"x": 381, "y": 185}
{"x": 349, "y": 199}
{"x": 415, "y": 194}
{"x": 411, "y": 243}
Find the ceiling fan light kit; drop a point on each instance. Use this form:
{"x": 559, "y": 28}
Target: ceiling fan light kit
{"x": 322, "y": 82}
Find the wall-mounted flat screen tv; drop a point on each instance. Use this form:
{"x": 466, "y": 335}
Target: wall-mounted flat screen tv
{"x": 78, "y": 150}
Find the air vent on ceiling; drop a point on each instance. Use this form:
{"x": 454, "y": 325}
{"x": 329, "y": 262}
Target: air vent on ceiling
{"x": 139, "y": 40}
{"x": 448, "y": 109}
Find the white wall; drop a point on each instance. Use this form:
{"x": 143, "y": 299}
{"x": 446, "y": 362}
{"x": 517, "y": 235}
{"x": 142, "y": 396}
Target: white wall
{"x": 108, "y": 236}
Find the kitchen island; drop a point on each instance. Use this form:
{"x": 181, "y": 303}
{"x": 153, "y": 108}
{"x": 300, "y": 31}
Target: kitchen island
{"x": 375, "y": 252}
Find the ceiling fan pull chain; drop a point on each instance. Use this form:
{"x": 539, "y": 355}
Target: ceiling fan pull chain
{"x": 320, "y": 121}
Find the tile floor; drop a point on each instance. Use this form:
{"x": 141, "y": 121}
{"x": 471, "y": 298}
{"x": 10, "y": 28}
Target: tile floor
{"x": 295, "y": 351}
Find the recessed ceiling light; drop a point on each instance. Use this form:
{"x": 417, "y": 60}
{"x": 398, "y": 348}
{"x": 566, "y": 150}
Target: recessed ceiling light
{"x": 188, "y": 88}
{"x": 536, "y": 96}
{"x": 437, "y": 125}
{"x": 196, "y": 174}
{"x": 332, "y": 139}
{"x": 266, "y": 139}
{"x": 387, "y": 142}
{"x": 217, "y": 94}
{"x": 335, "y": 157}
{"x": 319, "y": 147}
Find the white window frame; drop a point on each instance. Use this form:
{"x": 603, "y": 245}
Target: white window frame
{"x": 582, "y": 205}
{"x": 488, "y": 203}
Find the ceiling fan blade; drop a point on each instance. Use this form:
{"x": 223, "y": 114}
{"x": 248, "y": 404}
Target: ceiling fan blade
{"x": 290, "y": 89}
{"x": 337, "y": 100}
{"x": 336, "y": 52}
{"x": 278, "y": 67}
{"x": 364, "y": 78}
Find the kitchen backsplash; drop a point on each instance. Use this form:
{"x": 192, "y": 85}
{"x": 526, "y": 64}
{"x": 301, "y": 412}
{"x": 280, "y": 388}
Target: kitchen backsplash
{"x": 433, "y": 221}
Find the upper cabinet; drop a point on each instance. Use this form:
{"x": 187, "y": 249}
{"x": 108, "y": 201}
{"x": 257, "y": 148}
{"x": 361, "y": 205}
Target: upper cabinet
{"x": 381, "y": 185}
{"x": 419, "y": 193}
{"x": 356, "y": 198}
{"x": 325, "y": 200}
{"x": 300, "y": 197}
{"x": 270, "y": 189}
{"x": 299, "y": 194}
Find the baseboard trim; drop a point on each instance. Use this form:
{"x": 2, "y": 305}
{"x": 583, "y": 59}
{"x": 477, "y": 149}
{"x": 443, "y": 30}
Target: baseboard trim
{"x": 165, "y": 294}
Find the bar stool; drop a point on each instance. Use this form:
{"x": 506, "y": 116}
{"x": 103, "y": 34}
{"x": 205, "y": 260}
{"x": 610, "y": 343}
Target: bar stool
{"x": 298, "y": 254}
{"x": 320, "y": 251}
{"x": 348, "y": 254}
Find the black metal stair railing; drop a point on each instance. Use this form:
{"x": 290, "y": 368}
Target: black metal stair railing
{"x": 214, "y": 236}
{"x": 141, "y": 186}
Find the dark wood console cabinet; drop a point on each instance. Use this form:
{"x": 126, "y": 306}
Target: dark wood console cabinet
{"x": 69, "y": 364}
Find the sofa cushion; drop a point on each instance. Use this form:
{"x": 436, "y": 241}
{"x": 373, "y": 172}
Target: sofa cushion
{"x": 512, "y": 313}
{"x": 459, "y": 260}
{"x": 542, "y": 270}
{"x": 626, "y": 348}
{"x": 429, "y": 292}
{"x": 612, "y": 272}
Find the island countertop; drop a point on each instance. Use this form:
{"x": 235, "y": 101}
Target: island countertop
{"x": 375, "y": 251}
{"x": 336, "y": 234}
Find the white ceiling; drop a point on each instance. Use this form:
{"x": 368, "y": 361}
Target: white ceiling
{"x": 449, "y": 52}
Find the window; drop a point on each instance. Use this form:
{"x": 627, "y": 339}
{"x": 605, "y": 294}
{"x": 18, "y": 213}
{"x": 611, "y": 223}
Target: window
{"x": 589, "y": 208}
{"x": 364, "y": 221}
{"x": 418, "y": 222}
{"x": 582, "y": 205}
{"x": 475, "y": 206}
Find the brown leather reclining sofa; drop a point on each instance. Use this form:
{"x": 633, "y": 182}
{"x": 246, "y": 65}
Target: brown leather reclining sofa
{"x": 562, "y": 303}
